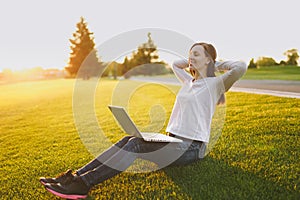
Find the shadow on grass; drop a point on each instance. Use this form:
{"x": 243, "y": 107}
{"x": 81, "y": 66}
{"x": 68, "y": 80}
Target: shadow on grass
{"x": 215, "y": 179}
{"x": 207, "y": 179}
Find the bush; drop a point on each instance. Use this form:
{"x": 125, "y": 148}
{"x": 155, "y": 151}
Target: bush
{"x": 266, "y": 61}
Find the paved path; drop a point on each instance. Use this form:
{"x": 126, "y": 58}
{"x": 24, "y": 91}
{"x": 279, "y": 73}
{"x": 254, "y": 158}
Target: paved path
{"x": 277, "y": 85}
{"x": 290, "y": 89}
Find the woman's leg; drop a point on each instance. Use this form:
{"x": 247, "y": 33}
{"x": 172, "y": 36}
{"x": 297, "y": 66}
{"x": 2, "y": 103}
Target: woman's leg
{"x": 65, "y": 177}
{"x": 78, "y": 187}
{"x": 177, "y": 154}
{"x": 195, "y": 152}
{"x": 161, "y": 153}
{"x": 103, "y": 156}
{"x": 120, "y": 161}
{"x": 164, "y": 153}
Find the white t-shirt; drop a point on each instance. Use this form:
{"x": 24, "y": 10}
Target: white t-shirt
{"x": 196, "y": 101}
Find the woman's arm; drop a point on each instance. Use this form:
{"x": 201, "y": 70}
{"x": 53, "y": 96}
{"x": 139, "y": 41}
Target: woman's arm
{"x": 234, "y": 71}
{"x": 178, "y": 69}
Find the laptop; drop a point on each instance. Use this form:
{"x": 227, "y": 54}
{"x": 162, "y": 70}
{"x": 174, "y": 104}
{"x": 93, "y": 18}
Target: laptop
{"x": 130, "y": 128}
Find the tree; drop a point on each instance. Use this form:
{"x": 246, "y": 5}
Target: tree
{"x": 252, "y": 64}
{"x": 144, "y": 61}
{"x": 112, "y": 69}
{"x": 282, "y": 62}
{"x": 83, "y": 54}
{"x": 266, "y": 61}
{"x": 292, "y": 57}
{"x": 125, "y": 65}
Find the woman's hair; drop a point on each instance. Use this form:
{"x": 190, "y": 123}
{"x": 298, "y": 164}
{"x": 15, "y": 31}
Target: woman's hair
{"x": 210, "y": 52}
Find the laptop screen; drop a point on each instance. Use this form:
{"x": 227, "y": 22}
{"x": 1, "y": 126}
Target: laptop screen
{"x": 124, "y": 120}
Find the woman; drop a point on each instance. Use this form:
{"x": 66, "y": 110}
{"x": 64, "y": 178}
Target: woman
{"x": 190, "y": 121}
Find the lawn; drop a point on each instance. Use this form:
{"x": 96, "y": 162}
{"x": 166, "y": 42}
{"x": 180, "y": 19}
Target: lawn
{"x": 256, "y": 157}
{"x": 291, "y": 73}
{"x": 288, "y": 73}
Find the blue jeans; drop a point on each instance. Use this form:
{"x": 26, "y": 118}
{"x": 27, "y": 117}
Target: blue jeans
{"x": 121, "y": 155}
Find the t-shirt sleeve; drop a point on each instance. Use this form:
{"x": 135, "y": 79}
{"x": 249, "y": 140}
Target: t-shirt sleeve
{"x": 234, "y": 70}
{"x": 180, "y": 73}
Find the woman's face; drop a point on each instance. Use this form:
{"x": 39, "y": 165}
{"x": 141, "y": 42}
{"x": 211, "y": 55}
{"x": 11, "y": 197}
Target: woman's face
{"x": 197, "y": 58}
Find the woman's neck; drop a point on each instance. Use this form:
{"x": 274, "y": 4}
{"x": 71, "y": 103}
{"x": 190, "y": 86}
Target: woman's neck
{"x": 200, "y": 74}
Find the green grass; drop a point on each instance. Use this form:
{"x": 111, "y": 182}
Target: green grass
{"x": 291, "y": 73}
{"x": 257, "y": 156}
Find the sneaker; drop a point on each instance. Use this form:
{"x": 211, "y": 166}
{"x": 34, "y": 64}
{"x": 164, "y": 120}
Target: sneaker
{"x": 75, "y": 189}
{"x": 63, "y": 178}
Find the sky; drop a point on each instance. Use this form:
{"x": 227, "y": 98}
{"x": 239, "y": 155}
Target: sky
{"x": 36, "y": 33}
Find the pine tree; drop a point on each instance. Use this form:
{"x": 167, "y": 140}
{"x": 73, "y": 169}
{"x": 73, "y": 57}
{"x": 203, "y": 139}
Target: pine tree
{"x": 83, "y": 54}
{"x": 147, "y": 52}
{"x": 252, "y": 64}
{"x": 144, "y": 61}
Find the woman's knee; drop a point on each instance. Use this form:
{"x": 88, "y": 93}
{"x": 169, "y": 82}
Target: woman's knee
{"x": 136, "y": 140}
{"x": 134, "y": 144}
{"x": 123, "y": 141}
{"x": 126, "y": 138}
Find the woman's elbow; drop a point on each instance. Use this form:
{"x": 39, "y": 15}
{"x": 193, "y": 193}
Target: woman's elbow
{"x": 239, "y": 69}
{"x": 242, "y": 66}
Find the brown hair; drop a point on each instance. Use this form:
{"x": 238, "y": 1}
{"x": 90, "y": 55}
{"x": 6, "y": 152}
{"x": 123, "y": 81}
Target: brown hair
{"x": 210, "y": 52}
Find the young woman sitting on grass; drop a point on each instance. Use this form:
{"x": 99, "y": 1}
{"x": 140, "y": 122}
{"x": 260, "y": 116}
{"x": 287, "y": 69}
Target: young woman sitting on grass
{"x": 190, "y": 121}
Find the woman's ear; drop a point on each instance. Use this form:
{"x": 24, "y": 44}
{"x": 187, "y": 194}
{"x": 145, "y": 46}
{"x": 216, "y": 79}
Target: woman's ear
{"x": 208, "y": 60}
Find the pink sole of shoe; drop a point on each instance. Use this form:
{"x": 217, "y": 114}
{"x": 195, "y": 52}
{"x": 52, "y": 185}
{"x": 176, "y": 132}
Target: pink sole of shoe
{"x": 67, "y": 196}
{"x": 43, "y": 183}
